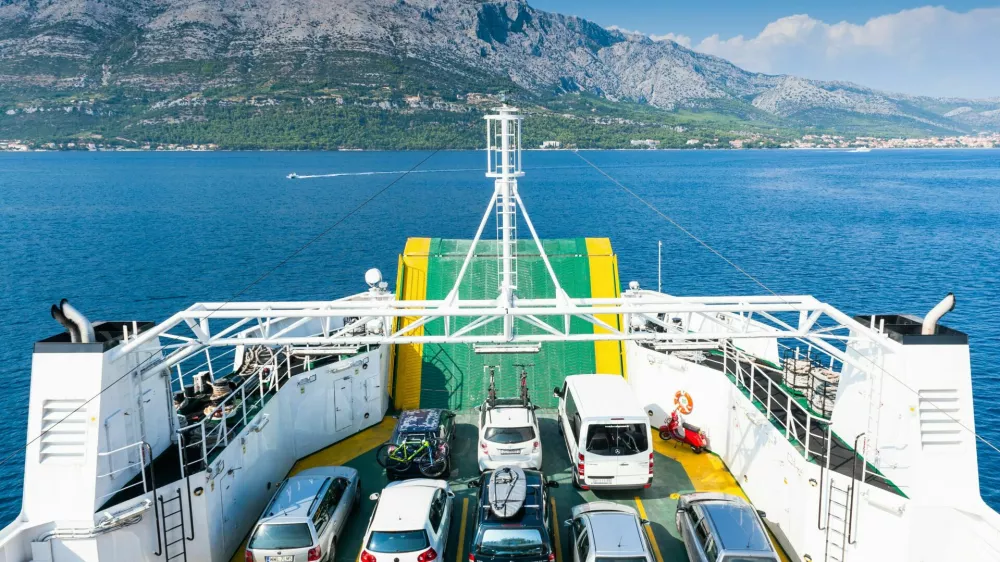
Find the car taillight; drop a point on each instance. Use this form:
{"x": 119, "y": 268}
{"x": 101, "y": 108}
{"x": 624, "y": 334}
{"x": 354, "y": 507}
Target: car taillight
{"x": 248, "y": 557}
{"x": 427, "y": 555}
{"x": 472, "y": 557}
{"x": 315, "y": 553}
{"x": 552, "y": 557}
{"x": 484, "y": 446}
{"x": 579, "y": 466}
{"x": 367, "y": 556}
{"x": 536, "y": 445}
{"x": 651, "y": 463}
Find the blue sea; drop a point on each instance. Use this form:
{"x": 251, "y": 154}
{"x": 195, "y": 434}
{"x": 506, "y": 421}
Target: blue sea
{"x": 140, "y": 235}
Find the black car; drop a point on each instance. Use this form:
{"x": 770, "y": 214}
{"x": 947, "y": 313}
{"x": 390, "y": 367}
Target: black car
{"x": 420, "y": 445}
{"x": 524, "y": 535}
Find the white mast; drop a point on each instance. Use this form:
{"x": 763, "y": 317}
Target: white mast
{"x": 503, "y": 151}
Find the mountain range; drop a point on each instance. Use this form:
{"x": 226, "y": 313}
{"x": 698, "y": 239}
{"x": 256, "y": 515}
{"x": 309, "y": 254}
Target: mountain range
{"x": 143, "y": 68}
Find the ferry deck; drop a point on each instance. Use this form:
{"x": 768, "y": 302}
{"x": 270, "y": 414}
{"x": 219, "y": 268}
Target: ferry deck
{"x": 454, "y": 376}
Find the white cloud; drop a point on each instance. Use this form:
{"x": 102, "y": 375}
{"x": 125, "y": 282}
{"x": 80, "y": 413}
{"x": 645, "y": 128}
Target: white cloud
{"x": 929, "y": 50}
{"x": 675, "y": 37}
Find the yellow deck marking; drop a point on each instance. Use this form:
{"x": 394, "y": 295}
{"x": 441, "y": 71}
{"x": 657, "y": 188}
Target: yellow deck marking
{"x": 707, "y": 473}
{"x": 461, "y": 531}
{"x": 604, "y": 284}
{"x": 342, "y": 452}
{"x": 555, "y": 531}
{"x": 649, "y": 531}
{"x": 409, "y": 357}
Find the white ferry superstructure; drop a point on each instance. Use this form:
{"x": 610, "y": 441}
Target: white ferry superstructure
{"x": 164, "y": 441}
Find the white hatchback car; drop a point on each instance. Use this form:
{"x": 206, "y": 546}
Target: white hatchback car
{"x": 410, "y": 522}
{"x": 508, "y": 435}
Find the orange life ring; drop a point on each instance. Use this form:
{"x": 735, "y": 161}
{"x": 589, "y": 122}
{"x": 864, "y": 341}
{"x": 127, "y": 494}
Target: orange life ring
{"x": 684, "y": 402}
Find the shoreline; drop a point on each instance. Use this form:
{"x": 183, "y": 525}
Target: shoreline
{"x": 717, "y": 149}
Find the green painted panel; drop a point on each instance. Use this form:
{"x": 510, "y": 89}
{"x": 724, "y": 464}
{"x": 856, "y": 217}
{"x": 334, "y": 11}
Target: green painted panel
{"x": 453, "y": 376}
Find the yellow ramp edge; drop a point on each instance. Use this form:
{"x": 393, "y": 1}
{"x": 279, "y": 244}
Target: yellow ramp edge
{"x": 707, "y": 473}
{"x": 411, "y": 284}
{"x": 604, "y": 283}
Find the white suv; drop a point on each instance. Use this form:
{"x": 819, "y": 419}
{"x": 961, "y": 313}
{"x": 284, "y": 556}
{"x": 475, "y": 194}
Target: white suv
{"x": 508, "y": 431}
{"x": 410, "y": 522}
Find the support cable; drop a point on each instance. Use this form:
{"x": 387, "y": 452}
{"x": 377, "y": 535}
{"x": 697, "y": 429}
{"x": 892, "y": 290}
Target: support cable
{"x": 239, "y": 293}
{"x": 760, "y": 283}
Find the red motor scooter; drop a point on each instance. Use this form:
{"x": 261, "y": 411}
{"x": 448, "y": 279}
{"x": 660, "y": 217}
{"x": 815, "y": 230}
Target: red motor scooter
{"x": 676, "y": 428}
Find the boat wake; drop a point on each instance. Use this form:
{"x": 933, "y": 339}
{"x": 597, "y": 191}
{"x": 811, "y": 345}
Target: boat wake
{"x": 294, "y": 176}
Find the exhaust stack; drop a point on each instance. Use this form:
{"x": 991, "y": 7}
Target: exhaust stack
{"x": 80, "y": 329}
{"x": 929, "y": 327}
{"x": 74, "y": 332}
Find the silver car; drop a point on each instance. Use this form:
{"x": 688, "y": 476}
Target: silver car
{"x": 722, "y": 528}
{"x": 306, "y": 516}
{"x": 605, "y": 531}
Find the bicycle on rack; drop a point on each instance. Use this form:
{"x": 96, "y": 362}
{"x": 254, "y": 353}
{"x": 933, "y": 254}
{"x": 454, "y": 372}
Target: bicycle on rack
{"x": 430, "y": 456}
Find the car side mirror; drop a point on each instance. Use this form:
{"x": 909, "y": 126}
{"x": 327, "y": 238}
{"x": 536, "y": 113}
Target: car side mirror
{"x": 556, "y": 393}
{"x": 551, "y": 484}
{"x": 450, "y": 494}
{"x": 644, "y": 521}
{"x": 477, "y": 409}
{"x": 374, "y": 497}
{"x": 567, "y": 522}
{"x": 761, "y": 514}
{"x": 475, "y": 482}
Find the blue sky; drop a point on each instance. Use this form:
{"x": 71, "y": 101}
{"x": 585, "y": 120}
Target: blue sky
{"x": 944, "y": 49}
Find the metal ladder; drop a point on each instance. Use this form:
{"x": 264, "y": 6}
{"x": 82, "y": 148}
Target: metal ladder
{"x": 837, "y": 521}
{"x": 502, "y": 211}
{"x": 174, "y": 538}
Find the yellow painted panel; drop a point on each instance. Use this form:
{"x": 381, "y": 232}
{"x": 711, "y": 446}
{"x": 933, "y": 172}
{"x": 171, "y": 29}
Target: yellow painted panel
{"x": 341, "y": 452}
{"x": 409, "y": 357}
{"x": 604, "y": 284}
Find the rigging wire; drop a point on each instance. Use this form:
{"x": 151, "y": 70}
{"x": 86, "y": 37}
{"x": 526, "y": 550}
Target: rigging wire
{"x": 239, "y": 293}
{"x": 758, "y": 282}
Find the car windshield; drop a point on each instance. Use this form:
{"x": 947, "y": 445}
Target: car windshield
{"x": 503, "y": 541}
{"x": 275, "y": 536}
{"x": 504, "y": 435}
{"x": 617, "y": 439}
{"x": 391, "y": 542}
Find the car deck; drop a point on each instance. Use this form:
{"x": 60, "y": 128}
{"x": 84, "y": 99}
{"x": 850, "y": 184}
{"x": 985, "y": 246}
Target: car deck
{"x": 677, "y": 471}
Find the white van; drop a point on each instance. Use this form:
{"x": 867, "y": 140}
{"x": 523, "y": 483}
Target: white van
{"x": 606, "y": 432}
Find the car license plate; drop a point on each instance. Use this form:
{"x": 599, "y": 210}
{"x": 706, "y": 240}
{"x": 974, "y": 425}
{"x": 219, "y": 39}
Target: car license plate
{"x": 510, "y": 451}
{"x": 599, "y": 479}
{"x": 286, "y": 558}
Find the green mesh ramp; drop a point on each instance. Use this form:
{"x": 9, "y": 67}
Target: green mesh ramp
{"x": 453, "y": 375}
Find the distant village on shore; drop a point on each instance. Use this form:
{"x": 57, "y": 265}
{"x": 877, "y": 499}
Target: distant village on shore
{"x": 748, "y": 141}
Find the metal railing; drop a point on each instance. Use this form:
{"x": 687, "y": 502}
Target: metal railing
{"x": 226, "y": 419}
{"x": 797, "y": 421}
{"x": 112, "y": 472}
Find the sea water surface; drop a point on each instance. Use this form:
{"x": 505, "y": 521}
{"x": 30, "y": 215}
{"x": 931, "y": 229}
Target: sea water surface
{"x": 141, "y": 235}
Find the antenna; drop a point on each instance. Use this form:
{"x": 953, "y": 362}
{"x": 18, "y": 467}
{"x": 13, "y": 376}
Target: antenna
{"x": 659, "y": 266}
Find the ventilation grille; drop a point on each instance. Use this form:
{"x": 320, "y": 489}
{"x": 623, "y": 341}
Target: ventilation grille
{"x": 939, "y": 417}
{"x": 64, "y": 431}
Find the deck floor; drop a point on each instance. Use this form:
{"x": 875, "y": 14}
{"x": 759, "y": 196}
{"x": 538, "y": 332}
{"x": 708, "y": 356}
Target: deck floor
{"x": 677, "y": 470}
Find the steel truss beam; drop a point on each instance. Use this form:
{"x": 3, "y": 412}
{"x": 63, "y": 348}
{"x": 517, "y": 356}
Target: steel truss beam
{"x": 215, "y": 325}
